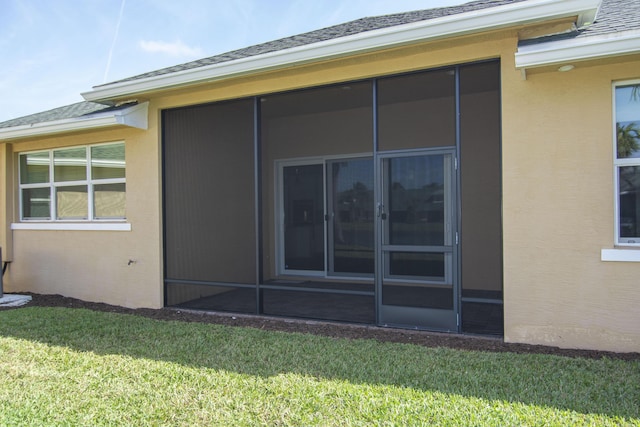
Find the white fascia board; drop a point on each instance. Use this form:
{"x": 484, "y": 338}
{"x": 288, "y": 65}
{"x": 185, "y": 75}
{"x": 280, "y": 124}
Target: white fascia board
{"x": 581, "y": 49}
{"x": 134, "y": 116}
{"x": 433, "y": 29}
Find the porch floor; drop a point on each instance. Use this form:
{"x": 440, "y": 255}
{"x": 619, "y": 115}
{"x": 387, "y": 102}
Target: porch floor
{"x": 315, "y": 300}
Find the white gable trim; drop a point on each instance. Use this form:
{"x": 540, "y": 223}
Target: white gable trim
{"x": 433, "y": 29}
{"x": 581, "y": 49}
{"x": 134, "y": 116}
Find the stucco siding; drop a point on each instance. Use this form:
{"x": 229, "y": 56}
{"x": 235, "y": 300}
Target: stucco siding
{"x": 114, "y": 267}
{"x": 558, "y": 212}
{"x": 557, "y": 196}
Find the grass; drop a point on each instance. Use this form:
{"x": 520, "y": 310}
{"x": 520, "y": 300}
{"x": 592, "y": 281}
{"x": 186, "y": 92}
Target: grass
{"x": 61, "y": 366}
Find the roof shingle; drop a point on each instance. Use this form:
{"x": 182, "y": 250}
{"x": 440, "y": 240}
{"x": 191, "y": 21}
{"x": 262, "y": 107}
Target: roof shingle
{"x": 329, "y": 33}
{"x": 72, "y": 111}
{"x": 614, "y": 16}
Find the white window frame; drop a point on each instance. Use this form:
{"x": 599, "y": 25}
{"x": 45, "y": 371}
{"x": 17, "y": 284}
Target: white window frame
{"x": 618, "y": 163}
{"x": 53, "y": 186}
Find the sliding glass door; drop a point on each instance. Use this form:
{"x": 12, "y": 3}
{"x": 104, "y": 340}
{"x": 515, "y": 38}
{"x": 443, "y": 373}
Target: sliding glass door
{"x": 328, "y": 218}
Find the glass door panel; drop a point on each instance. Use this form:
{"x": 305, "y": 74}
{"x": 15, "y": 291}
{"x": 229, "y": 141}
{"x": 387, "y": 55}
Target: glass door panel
{"x": 303, "y": 202}
{"x": 417, "y": 254}
{"x": 351, "y": 210}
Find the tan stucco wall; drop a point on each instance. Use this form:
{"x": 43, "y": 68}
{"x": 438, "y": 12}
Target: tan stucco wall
{"x": 557, "y": 198}
{"x": 6, "y": 177}
{"x": 94, "y": 265}
{"x": 559, "y": 211}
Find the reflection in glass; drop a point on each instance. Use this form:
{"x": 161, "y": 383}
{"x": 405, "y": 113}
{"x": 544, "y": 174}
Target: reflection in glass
{"x": 416, "y": 200}
{"x": 352, "y": 203}
{"x": 107, "y": 161}
{"x": 72, "y": 202}
{"x": 36, "y": 203}
{"x": 34, "y": 168}
{"x": 629, "y": 191}
{"x": 628, "y": 121}
{"x": 70, "y": 165}
{"x": 303, "y": 217}
{"x": 109, "y": 200}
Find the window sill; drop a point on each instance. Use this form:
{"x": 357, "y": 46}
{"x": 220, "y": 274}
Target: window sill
{"x": 73, "y": 226}
{"x": 622, "y": 255}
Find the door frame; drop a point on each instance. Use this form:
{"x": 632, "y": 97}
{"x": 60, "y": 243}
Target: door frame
{"x": 404, "y": 316}
{"x": 279, "y": 227}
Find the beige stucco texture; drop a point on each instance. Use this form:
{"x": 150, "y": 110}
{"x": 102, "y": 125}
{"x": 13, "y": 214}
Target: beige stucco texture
{"x": 557, "y": 196}
{"x": 558, "y": 211}
{"x": 115, "y": 267}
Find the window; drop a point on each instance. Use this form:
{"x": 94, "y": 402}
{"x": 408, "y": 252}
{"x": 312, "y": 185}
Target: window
{"x": 79, "y": 183}
{"x": 627, "y": 163}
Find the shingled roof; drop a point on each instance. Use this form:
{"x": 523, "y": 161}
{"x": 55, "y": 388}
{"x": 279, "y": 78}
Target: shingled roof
{"x": 337, "y": 31}
{"x": 72, "y": 111}
{"x": 614, "y": 16}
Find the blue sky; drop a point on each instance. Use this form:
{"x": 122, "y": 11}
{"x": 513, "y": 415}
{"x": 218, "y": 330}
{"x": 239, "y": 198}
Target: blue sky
{"x": 52, "y": 50}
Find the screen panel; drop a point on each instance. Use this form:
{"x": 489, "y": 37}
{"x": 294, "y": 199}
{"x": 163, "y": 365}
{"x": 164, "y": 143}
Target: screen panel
{"x": 209, "y": 192}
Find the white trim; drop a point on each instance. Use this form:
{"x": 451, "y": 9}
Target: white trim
{"x": 433, "y": 29}
{"x": 52, "y": 185}
{"x": 72, "y": 226}
{"x": 618, "y": 163}
{"x": 582, "y": 49}
{"x": 134, "y": 116}
{"x": 622, "y": 255}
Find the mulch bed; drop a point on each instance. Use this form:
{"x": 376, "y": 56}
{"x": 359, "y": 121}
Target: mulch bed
{"x": 329, "y": 329}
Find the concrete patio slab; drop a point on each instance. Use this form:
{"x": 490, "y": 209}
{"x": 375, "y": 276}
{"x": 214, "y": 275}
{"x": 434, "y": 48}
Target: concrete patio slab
{"x": 14, "y": 300}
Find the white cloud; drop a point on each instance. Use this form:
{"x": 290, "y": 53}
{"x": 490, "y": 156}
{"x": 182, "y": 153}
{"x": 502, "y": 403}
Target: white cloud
{"x": 177, "y": 48}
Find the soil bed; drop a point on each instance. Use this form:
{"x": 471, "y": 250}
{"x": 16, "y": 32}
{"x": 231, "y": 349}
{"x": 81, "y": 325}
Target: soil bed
{"x": 330, "y": 329}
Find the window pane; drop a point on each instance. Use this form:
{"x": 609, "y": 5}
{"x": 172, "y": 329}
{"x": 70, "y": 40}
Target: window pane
{"x": 34, "y": 168}
{"x": 70, "y": 165}
{"x": 109, "y": 200}
{"x": 351, "y": 199}
{"x": 303, "y": 217}
{"x": 36, "y": 203}
{"x": 629, "y": 193}
{"x": 416, "y": 200}
{"x": 628, "y": 121}
{"x": 107, "y": 161}
{"x": 72, "y": 202}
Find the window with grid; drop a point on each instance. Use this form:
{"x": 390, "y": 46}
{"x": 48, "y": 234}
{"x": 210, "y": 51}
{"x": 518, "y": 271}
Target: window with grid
{"x": 78, "y": 183}
{"x": 627, "y": 162}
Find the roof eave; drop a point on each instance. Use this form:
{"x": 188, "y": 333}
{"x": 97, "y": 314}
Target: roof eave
{"x": 433, "y": 29}
{"x": 134, "y": 116}
{"x": 580, "y": 49}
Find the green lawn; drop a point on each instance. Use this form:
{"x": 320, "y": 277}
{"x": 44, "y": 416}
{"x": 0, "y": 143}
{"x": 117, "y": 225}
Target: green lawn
{"x": 62, "y": 366}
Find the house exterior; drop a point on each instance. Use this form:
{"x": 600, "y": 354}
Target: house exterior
{"x": 471, "y": 169}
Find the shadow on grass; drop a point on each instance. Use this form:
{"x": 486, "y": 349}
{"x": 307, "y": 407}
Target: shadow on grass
{"x": 607, "y": 387}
